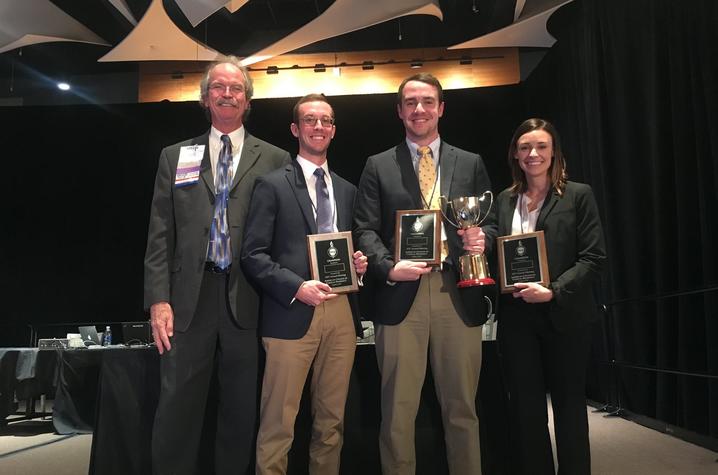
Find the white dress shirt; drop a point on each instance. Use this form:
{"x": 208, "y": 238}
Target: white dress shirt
{"x": 524, "y": 221}
{"x": 215, "y": 145}
{"x": 308, "y": 169}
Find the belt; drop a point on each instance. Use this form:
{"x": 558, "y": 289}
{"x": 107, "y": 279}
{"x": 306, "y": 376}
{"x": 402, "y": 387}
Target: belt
{"x": 215, "y": 269}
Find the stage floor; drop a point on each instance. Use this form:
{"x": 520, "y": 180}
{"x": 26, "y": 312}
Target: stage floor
{"x": 618, "y": 447}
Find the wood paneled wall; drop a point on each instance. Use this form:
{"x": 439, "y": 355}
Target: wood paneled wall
{"x": 179, "y": 81}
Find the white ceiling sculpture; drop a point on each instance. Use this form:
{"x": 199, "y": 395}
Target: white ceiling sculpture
{"x": 345, "y": 16}
{"x": 528, "y": 31}
{"x": 30, "y": 22}
{"x": 197, "y": 11}
{"x": 157, "y": 38}
{"x": 121, "y": 6}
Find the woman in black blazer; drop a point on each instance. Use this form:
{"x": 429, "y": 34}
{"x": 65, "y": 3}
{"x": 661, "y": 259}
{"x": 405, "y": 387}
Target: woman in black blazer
{"x": 544, "y": 332}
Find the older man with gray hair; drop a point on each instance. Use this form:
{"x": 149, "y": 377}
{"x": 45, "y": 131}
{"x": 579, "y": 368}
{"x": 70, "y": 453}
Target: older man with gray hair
{"x": 202, "y": 309}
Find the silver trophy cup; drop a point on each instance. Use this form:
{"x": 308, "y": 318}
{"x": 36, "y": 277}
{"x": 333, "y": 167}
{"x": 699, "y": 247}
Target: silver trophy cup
{"x": 464, "y": 213}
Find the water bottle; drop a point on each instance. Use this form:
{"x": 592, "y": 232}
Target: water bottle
{"x": 107, "y": 336}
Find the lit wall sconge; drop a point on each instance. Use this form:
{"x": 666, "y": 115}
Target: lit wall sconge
{"x": 465, "y": 60}
{"x": 320, "y": 68}
{"x": 367, "y": 65}
{"x": 272, "y": 70}
{"x": 415, "y": 64}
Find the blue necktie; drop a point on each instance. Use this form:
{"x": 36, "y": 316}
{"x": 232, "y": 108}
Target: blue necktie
{"x": 219, "y": 242}
{"x": 325, "y": 222}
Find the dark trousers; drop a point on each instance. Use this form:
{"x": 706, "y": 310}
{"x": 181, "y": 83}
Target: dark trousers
{"x": 537, "y": 359}
{"x": 212, "y": 339}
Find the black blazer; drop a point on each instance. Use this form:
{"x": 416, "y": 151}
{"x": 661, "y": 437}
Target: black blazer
{"x": 274, "y": 252}
{"x": 179, "y": 230}
{"x": 575, "y": 250}
{"x": 389, "y": 183}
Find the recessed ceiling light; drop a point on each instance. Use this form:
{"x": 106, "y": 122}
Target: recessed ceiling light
{"x": 63, "y": 86}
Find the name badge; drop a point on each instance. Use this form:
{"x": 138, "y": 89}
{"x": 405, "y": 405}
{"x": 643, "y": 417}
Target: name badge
{"x": 188, "y": 166}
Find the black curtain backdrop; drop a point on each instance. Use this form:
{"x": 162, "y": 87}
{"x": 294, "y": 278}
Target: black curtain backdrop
{"x": 633, "y": 88}
{"x": 78, "y": 183}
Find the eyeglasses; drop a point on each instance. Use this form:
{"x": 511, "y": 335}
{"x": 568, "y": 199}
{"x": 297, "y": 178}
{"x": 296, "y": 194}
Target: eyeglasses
{"x": 311, "y": 121}
{"x": 219, "y": 88}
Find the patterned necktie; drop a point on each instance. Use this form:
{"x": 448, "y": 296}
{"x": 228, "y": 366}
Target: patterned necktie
{"x": 427, "y": 184}
{"x": 324, "y": 209}
{"x": 220, "y": 251}
{"x": 427, "y": 178}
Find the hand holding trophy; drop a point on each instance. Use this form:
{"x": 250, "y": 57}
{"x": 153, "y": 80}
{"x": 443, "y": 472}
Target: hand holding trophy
{"x": 468, "y": 212}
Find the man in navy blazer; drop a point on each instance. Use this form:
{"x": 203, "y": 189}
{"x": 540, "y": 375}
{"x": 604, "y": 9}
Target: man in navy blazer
{"x": 204, "y": 315}
{"x": 303, "y": 323}
{"x": 419, "y": 313}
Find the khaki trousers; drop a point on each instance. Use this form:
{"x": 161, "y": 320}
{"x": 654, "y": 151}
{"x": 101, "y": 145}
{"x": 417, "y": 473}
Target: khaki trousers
{"x": 431, "y": 328}
{"x": 328, "y": 347}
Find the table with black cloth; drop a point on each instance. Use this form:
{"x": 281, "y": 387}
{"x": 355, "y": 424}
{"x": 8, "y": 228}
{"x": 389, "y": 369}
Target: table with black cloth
{"x": 129, "y": 390}
{"x": 73, "y": 411}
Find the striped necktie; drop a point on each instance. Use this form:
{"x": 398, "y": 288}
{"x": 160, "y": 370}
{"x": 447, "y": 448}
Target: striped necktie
{"x": 220, "y": 251}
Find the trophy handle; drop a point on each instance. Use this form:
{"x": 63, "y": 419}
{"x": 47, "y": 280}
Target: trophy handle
{"x": 488, "y": 210}
{"x": 446, "y": 203}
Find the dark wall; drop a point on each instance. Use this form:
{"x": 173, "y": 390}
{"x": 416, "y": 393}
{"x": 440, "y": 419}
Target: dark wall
{"x": 79, "y": 179}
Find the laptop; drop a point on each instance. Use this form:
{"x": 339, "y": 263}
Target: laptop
{"x": 136, "y": 333}
{"x": 89, "y": 335}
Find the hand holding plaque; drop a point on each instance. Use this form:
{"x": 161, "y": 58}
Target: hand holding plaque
{"x": 522, "y": 259}
{"x": 418, "y": 236}
{"x": 468, "y": 212}
{"x": 331, "y": 260}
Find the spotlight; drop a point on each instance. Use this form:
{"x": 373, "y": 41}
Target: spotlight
{"x": 367, "y": 65}
{"x": 465, "y": 60}
{"x": 415, "y": 64}
{"x": 63, "y": 86}
{"x": 320, "y": 68}
{"x": 272, "y": 70}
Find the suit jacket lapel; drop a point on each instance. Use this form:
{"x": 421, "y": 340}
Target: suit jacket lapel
{"x": 507, "y": 213}
{"x": 206, "y": 165}
{"x": 447, "y": 164}
{"x": 298, "y": 184}
{"x": 248, "y": 157}
{"x": 548, "y": 204}
{"x": 408, "y": 174}
{"x": 343, "y": 207}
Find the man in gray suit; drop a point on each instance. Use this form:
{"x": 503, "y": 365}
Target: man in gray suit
{"x": 203, "y": 310}
{"x": 419, "y": 313}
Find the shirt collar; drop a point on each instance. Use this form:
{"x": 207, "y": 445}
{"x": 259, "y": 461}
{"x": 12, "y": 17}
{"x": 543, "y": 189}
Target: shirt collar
{"x": 309, "y": 167}
{"x": 414, "y": 149}
{"x": 236, "y": 136}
